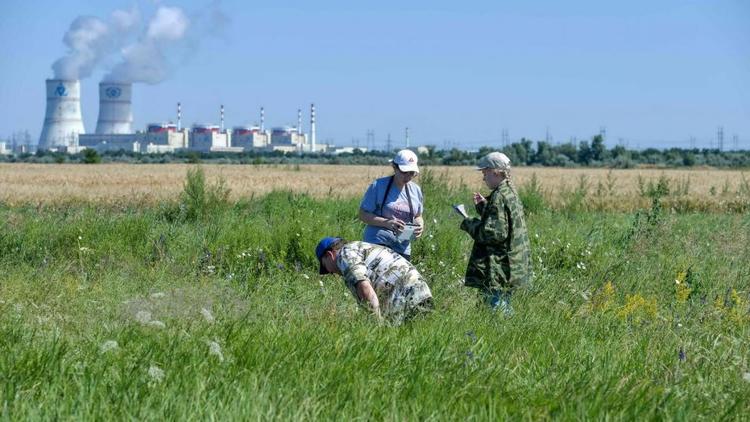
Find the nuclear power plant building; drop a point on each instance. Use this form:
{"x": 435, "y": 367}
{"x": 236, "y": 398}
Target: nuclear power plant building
{"x": 63, "y": 127}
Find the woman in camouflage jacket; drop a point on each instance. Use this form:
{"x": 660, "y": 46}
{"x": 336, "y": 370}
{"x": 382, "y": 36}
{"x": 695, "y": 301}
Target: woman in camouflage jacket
{"x": 500, "y": 259}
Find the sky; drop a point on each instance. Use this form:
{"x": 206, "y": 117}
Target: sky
{"x": 457, "y": 74}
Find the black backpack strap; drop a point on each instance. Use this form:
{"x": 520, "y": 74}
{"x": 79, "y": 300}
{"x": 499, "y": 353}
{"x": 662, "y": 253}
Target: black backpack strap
{"x": 411, "y": 208}
{"x": 379, "y": 207}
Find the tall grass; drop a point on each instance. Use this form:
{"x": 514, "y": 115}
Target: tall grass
{"x": 143, "y": 313}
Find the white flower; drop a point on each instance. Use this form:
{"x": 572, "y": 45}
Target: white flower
{"x": 215, "y": 349}
{"x": 143, "y": 317}
{"x": 746, "y": 376}
{"x": 677, "y": 281}
{"x": 305, "y": 276}
{"x": 155, "y": 373}
{"x": 107, "y": 346}
{"x": 434, "y": 220}
{"x": 156, "y": 324}
{"x": 80, "y": 238}
{"x": 207, "y": 315}
{"x": 321, "y": 283}
{"x": 157, "y": 295}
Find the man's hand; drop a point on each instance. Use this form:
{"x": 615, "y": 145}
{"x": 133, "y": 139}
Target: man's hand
{"x": 366, "y": 293}
{"x": 478, "y": 198}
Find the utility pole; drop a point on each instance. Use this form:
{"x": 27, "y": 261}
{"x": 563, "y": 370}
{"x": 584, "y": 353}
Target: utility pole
{"x": 370, "y": 136}
{"x": 720, "y": 138}
{"x": 506, "y": 138}
{"x": 388, "y": 143}
{"x": 735, "y": 142}
{"x": 407, "y": 138}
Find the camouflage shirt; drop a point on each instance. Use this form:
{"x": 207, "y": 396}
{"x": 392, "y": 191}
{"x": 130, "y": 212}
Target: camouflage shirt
{"x": 397, "y": 283}
{"x": 501, "y": 255}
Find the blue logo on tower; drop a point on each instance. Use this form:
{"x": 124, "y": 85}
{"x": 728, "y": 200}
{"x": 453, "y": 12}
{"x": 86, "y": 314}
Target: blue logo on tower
{"x": 113, "y": 92}
{"x": 61, "y": 91}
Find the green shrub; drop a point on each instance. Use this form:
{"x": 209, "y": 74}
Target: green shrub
{"x": 199, "y": 200}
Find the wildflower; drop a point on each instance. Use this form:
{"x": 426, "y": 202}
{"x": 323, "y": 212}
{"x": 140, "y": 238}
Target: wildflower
{"x": 682, "y": 291}
{"x": 80, "y": 238}
{"x": 157, "y": 295}
{"x": 107, "y": 346}
{"x": 207, "y": 315}
{"x": 156, "y": 324}
{"x": 434, "y": 221}
{"x": 210, "y": 269}
{"x": 746, "y": 376}
{"x": 305, "y": 276}
{"x": 143, "y": 317}
{"x": 155, "y": 373}
{"x": 638, "y": 308}
{"x": 215, "y": 349}
{"x": 321, "y": 283}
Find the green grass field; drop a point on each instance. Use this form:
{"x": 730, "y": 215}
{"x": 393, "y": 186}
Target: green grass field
{"x": 208, "y": 309}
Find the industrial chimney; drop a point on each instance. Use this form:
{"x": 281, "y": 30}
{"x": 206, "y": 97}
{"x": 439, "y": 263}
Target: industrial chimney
{"x": 62, "y": 120}
{"x": 115, "y": 111}
{"x": 312, "y": 127}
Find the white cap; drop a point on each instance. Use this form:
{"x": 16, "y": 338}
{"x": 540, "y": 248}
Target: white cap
{"x": 406, "y": 160}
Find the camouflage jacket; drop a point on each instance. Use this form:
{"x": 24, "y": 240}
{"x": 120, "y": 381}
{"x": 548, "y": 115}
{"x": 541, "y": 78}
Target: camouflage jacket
{"x": 501, "y": 255}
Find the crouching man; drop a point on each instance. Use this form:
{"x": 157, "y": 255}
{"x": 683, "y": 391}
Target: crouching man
{"x": 377, "y": 276}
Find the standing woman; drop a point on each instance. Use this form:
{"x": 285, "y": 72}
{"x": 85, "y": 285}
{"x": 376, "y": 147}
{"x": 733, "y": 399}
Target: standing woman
{"x": 392, "y": 202}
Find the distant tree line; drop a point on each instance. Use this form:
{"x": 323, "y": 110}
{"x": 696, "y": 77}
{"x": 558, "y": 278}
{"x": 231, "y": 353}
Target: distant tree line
{"x": 525, "y": 152}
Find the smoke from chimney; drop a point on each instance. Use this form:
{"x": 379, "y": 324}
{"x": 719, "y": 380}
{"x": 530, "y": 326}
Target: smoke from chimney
{"x": 90, "y": 40}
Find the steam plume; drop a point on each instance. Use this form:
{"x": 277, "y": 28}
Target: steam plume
{"x": 90, "y": 40}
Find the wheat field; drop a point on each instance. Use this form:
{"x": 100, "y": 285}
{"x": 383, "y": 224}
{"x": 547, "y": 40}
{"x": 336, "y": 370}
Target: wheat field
{"x": 149, "y": 184}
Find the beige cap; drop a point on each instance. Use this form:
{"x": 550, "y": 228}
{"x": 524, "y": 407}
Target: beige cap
{"x": 494, "y": 160}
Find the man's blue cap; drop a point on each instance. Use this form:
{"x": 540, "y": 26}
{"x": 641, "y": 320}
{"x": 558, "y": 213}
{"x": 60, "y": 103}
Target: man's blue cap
{"x": 320, "y": 250}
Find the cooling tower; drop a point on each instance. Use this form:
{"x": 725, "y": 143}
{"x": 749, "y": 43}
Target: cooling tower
{"x": 62, "y": 121}
{"x": 115, "y": 111}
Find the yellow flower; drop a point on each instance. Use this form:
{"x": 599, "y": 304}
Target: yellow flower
{"x": 637, "y": 308}
{"x": 682, "y": 292}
